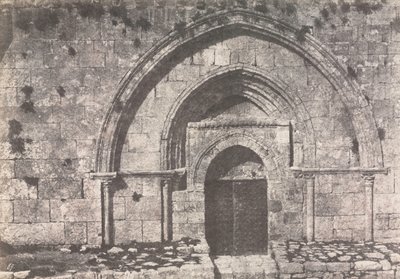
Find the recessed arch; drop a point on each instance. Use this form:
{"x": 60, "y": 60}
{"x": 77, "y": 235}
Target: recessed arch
{"x": 206, "y": 156}
{"x": 175, "y": 46}
{"x": 250, "y": 82}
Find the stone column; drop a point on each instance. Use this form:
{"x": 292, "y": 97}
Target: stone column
{"x": 310, "y": 198}
{"x": 165, "y": 186}
{"x": 107, "y": 210}
{"x": 369, "y": 206}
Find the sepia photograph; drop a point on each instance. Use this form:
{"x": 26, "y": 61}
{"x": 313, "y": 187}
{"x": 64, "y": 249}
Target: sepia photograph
{"x": 199, "y": 139}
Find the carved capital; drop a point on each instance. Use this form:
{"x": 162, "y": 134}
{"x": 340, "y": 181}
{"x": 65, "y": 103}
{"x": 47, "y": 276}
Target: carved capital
{"x": 369, "y": 179}
{"x": 308, "y": 175}
{"x": 297, "y": 174}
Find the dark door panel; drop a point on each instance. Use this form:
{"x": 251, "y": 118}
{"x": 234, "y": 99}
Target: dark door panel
{"x": 236, "y": 217}
{"x": 250, "y": 217}
{"x": 219, "y": 217}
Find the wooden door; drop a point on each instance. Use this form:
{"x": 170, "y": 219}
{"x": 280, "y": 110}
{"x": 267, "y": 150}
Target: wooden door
{"x": 236, "y": 217}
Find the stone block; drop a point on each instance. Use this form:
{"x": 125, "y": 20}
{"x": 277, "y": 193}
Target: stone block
{"x": 387, "y": 274}
{"x": 185, "y": 73}
{"x": 323, "y": 228}
{"x": 196, "y": 217}
{"x": 7, "y": 169}
{"x": 244, "y": 56}
{"x": 292, "y": 217}
{"x": 367, "y": 265}
{"x": 31, "y": 234}
{"x": 91, "y": 188}
{"x": 84, "y": 131}
{"x": 290, "y": 268}
{"x": 148, "y": 142}
{"x": 385, "y": 265}
{"x": 314, "y": 266}
{"x": 140, "y": 161}
{"x": 274, "y": 206}
{"x": 204, "y": 57}
{"x": 349, "y": 222}
{"x": 196, "y": 196}
{"x": 94, "y": 234}
{"x": 85, "y": 275}
{"x": 344, "y": 234}
{"x": 46, "y": 169}
{"x": 180, "y": 196}
{"x": 387, "y": 203}
{"x": 147, "y": 208}
{"x": 119, "y": 208}
{"x": 338, "y": 267}
{"x": 16, "y": 189}
{"x": 6, "y": 211}
{"x": 284, "y": 57}
{"x": 222, "y": 56}
{"x": 6, "y": 275}
{"x": 75, "y": 210}
{"x": 151, "y": 231}
{"x": 14, "y": 77}
{"x": 31, "y": 211}
{"x": 180, "y": 217}
{"x": 75, "y": 232}
{"x": 42, "y": 131}
{"x": 60, "y": 188}
{"x": 331, "y": 204}
{"x": 128, "y": 231}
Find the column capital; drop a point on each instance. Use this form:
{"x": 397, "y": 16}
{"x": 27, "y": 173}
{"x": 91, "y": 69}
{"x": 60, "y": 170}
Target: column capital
{"x": 369, "y": 178}
{"x": 104, "y": 177}
{"x": 308, "y": 175}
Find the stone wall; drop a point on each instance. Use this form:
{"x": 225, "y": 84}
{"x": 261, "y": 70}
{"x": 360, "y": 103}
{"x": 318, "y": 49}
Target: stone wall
{"x": 57, "y": 81}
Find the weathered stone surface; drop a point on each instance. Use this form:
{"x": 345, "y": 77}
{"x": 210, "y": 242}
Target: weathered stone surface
{"x": 6, "y": 275}
{"x": 395, "y": 258}
{"x": 60, "y": 189}
{"x": 75, "y": 210}
{"x": 290, "y": 267}
{"x": 147, "y": 208}
{"x": 31, "y": 211}
{"x": 21, "y": 274}
{"x": 94, "y": 234}
{"x": 6, "y": 211}
{"x": 314, "y": 266}
{"x": 367, "y": 265}
{"x": 115, "y": 250}
{"x": 17, "y": 189}
{"x": 336, "y": 266}
{"x": 36, "y": 233}
{"x": 151, "y": 231}
{"x": 75, "y": 232}
{"x": 127, "y": 231}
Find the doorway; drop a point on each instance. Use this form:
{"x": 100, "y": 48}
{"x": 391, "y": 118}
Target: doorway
{"x": 236, "y": 203}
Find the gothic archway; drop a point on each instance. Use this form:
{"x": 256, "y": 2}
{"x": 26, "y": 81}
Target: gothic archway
{"x": 177, "y": 45}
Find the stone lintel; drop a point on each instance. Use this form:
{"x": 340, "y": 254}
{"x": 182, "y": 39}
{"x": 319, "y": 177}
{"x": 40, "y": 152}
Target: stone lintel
{"x": 316, "y": 171}
{"x": 164, "y": 174}
{"x": 239, "y": 123}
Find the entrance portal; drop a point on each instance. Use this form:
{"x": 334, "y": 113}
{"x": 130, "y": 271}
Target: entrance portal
{"x": 236, "y": 203}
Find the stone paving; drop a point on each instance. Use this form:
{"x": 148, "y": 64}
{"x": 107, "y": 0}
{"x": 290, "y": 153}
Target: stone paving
{"x": 187, "y": 258}
{"x": 337, "y": 259}
{"x": 253, "y": 266}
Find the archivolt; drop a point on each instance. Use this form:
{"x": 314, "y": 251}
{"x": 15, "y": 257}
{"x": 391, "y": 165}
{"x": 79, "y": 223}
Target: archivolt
{"x": 176, "y": 45}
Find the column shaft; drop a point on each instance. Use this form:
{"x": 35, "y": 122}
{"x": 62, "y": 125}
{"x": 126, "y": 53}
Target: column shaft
{"x": 310, "y": 214}
{"x": 369, "y": 207}
{"x": 107, "y": 205}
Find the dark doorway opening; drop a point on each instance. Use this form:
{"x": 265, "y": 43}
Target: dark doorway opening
{"x": 236, "y": 203}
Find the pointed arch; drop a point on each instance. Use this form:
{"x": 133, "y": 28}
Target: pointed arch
{"x": 136, "y": 83}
